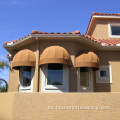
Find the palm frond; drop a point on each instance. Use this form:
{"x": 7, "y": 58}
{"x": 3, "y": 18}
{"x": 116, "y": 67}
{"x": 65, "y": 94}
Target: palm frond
{"x": 3, "y": 64}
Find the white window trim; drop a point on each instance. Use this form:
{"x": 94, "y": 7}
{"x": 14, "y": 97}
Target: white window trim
{"x": 54, "y": 88}
{"x": 104, "y": 80}
{"x": 90, "y": 89}
{"x": 110, "y": 31}
{"x": 29, "y": 88}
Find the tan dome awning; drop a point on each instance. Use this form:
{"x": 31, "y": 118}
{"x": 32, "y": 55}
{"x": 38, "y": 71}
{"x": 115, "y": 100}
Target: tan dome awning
{"x": 55, "y": 54}
{"x": 23, "y": 58}
{"x": 89, "y": 59}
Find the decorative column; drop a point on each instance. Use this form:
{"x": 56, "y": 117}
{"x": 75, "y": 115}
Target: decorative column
{"x": 92, "y": 74}
{"x": 36, "y": 73}
{"x": 73, "y": 76}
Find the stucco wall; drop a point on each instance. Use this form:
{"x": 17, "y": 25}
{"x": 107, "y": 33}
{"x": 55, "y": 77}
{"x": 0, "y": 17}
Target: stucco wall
{"x": 100, "y": 28}
{"x": 6, "y": 106}
{"x": 13, "y": 83}
{"x": 34, "y": 106}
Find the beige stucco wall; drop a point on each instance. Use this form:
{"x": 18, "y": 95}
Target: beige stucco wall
{"x": 100, "y": 28}
{"x": 6, "y": 106}
{"x": 34, "y": 106}
{"x": 74, "y": 48}
{"x": 13, "y": 83}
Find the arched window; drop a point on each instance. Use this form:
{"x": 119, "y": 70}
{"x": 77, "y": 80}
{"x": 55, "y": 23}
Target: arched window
{"x": 55, "y": 78}
{"x": 86, "y": 64}
{"x": 24, "y": 61}
{"x": 54, "y": 62}
{"x": 26, "y": 78}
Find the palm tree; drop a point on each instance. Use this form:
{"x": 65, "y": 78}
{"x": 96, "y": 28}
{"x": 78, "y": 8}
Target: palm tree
{"x": 3, "y": 83}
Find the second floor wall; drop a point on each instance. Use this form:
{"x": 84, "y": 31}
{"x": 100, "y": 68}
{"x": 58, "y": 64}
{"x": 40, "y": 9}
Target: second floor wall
{"x": 102, "y": 28}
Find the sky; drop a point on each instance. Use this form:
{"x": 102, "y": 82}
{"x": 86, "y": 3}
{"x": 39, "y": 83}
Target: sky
{"x": 19, "y": 17}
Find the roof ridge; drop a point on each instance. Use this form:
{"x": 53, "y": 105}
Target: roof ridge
{"x": 40, "y": 32}
{"x": 100, "y": 13}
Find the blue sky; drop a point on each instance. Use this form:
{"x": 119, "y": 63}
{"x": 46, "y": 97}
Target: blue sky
{"x": 20, "y": 17}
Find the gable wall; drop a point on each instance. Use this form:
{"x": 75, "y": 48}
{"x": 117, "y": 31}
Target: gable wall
{"x": 100, "y": 28}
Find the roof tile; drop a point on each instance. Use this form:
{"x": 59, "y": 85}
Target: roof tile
{"x": 108, "y": 42}
{"x": 104, "y": 42}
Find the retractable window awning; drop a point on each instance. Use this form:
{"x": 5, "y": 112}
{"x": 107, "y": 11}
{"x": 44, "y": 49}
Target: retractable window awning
{"x": 89, "y": 59}
{"x": 55, "y": 54}
{"x": 23, "y": 58}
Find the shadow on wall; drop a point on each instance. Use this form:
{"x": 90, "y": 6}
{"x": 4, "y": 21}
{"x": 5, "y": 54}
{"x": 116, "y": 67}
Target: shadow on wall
{"x": 103, "y": 87}
{"x": 106, "y": 58}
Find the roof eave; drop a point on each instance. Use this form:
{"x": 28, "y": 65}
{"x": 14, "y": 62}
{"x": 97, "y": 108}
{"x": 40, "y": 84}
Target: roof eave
{"x": 81, "y": 38}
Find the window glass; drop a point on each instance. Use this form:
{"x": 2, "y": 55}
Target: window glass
{"x": 103, "y": 73}
{"x": 25, "y": 74}
{"x": 115, "y": 30}
{"x": 55, "y": 74}
{"x": 84, "y": 77}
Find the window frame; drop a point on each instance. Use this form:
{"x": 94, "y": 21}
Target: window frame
{"x": 54, "y": 88}
{"x": 28, "y": 88}
{"x": 107, "y": 79}
{"x": 110, "y": 30}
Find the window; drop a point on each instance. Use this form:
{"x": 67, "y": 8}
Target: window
{"x": 55, "y": 78}
{"x": 55, "y": 74}
{"x": 85, "y": 79}
{"x": 84, "y": 75}
{"x": 114, "y": 30}
{"x": 26, "y": 75}
{"x": 104, "y": 74}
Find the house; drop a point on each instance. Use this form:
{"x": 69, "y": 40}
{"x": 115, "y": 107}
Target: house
{"x": 68, "y": 62}
{"x": 68, "y": 66}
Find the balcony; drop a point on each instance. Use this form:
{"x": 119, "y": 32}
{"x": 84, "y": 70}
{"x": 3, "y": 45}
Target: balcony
{"x": 60, "y": 106}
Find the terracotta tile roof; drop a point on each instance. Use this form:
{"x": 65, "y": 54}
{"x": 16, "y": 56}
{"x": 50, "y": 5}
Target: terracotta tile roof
{"x": 107, "y": 14}
{"x": 39, "y": 32}
{"x": 103, "y": 42}
{"x": 15, "y": 41}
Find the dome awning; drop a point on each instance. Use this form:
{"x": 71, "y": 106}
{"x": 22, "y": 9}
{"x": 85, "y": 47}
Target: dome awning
{"x": 89, "y": 59}
{"x": 55, "y": 54}
{"x": 23, "y": 58}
